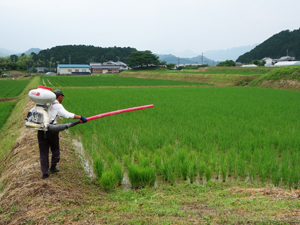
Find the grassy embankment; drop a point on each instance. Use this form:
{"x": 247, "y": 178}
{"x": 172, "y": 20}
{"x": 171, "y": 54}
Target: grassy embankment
{"x": 280, "y": 77}
{"x": 9, "y": 132}
{"x": 219, "y": 76}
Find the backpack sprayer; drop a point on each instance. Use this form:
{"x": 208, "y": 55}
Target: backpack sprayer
{"x": 38, "y": 119}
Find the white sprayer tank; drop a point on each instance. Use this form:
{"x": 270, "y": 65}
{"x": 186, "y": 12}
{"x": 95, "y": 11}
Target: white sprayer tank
{"x": 42, "y": 95}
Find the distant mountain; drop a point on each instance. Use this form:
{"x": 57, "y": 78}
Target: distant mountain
{"x": 183, "y": 54}
{"x": 275, "y": 47}
{"x": 177, "y": 60}
{"x": 5, "y": 52}
{"x": 228, "y": 54}
{"x": 28, "y": 52}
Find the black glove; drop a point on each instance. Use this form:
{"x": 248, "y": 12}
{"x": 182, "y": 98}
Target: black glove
{"x": 82, "y": 119}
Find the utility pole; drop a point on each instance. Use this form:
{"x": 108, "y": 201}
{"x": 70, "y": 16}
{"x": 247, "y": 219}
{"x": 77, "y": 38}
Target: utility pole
{"x": 202, "y": 58}
{"x": 69, "y": 59}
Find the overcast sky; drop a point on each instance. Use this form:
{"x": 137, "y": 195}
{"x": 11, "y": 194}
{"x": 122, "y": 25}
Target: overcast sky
{"x": 156, "y": 25}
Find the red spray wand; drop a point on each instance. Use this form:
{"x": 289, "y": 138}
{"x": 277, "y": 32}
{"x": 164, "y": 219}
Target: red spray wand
{"x": 112, "y": 113}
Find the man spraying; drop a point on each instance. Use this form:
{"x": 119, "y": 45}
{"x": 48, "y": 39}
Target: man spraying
{"x": 50, "y": 138}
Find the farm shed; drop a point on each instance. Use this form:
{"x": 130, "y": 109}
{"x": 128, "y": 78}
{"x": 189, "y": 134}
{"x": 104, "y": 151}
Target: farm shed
{"x": 286, "y": 63}
{"x": 73, "y": 69}
{"x": 108, "y": 67}
{"x": 250, "y": 65}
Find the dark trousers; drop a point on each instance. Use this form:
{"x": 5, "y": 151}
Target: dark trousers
{"x": 46, "y": 140}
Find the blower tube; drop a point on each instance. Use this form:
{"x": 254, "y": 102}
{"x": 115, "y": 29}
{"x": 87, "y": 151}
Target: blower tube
{"x": 59, "y": 127}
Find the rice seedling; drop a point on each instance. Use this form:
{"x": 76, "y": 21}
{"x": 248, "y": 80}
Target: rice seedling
{"x": 208, "y": 173}
{"x": 192, "y": 170}
{"x": 276, "y": 174}
{"x": 118, "y": 173}
{"x": 158, "y": 164}
{"x": 201, "y": 169}
{"x": 127, "y": 160}
{"x": 98, "y": 166}
{"x": 108, "y": 180}
{"x": 141, "y": 176}
{"x": 224, "y": 167}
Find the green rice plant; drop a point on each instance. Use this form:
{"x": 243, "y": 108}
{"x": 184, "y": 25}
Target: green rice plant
{"x": 98, "y": 166}
{"x": 165, "y": 169}
{"x": 158, "y": 164}
{"x": 285, "y": 168}
{"x": 168, "y": 171}
{"x": 242, "y": 167}
{"x": 118, "y": 172}
{"x": 296, "y": 177}
{"x": 223, "y": 168}
{"x": 141, "y": 176}
{"x": 144, "y": 162}
{"x": 231, "y": 162}
{"x": 208, "y": 173}
{"x": 108, "y": 181}
{"x": 110, "y": 159}
{"x": 127, "y": 160}
{"x": 252, "y": 171}
{"x": 263, "y": 173}
{"x": 290, "y": 178}
{"x": 201, "y": 169}
{"x": 192, "y": 170}
{"x": 171, "y": 178}
{"x": 184, "y": 168}
{"x": 181, "y": 155}
{"x": 137, "y": 155}
{"x": 236, "y": 170}
{"x": 276, "y": 174}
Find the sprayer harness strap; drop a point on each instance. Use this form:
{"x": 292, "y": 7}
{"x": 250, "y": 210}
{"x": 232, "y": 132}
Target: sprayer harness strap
{"x": 53, "y": 103}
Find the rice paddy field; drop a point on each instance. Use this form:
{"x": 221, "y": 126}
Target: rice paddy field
{"x": 5, "y": 108}
{"x": 12, "y": 88}
{"x": 192, "y": 134}
{"x": 108, "y": 81}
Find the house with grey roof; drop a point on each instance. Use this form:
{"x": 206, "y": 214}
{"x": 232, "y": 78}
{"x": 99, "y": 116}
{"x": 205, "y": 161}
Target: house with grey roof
{"x": 108, "y": 67}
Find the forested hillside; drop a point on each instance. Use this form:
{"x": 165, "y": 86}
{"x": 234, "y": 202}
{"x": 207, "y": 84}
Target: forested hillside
{"x": 82, "y": 54}
{"x": 275, "y": 47}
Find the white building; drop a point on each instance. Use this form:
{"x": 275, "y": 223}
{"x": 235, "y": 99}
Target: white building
{"x": 108, "y": 67}
{"x": 249, "y": 65}
{"x": 268, "y": 60}
{"x": 73, "y": 69}
{"x": 288, "y": 63}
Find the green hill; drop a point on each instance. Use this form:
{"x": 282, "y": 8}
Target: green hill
{"x": 82, "y": 54}
{"x": 275, "y": 47}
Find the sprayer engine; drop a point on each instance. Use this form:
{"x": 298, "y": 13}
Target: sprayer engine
{"x": 38, "y": 117}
